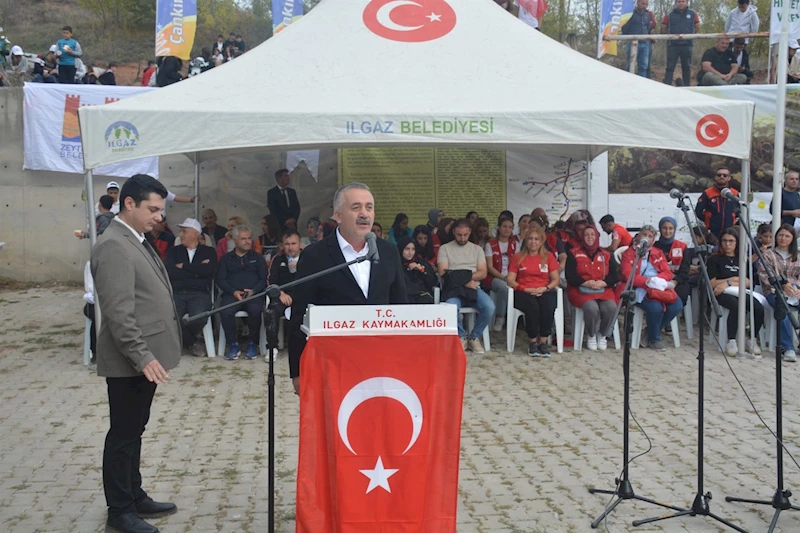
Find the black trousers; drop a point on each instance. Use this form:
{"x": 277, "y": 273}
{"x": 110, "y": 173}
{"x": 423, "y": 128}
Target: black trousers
{"x": 683, "y": 290}
{"x": 674, "y": 53}
{"x": 731, "y": 302}
{"x": 539, "y": 312}
{"x": 254, "y": 309}
{"x": 66, "y": 74}
{"x": 129, "y": 400}
{"x": 192, "y": 303}
{"x": 88, "y": 311}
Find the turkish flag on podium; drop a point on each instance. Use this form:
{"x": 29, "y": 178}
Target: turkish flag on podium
{"x": 381, "y": 392}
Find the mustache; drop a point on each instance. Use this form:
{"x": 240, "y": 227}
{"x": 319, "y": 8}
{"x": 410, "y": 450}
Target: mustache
{"x": 363, "y": 220}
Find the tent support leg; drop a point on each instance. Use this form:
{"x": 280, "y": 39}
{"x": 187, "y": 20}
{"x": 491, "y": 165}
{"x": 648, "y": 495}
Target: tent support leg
{"x": 744, "y": 242}
{"x": 89, "y": 184}
{"x": 196, "y": 187}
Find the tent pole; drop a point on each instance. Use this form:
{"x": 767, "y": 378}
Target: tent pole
{"x": 780, "y": 120}
{"x": 744, "y": 241}
{"x": 89, "y": 184}
{"x": 196, "y": 186}
{"x": 589, "y": 178}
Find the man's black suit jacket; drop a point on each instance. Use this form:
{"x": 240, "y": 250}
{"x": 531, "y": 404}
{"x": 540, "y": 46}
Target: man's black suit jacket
{"x": 386, "y": 286}
{"x": 276, "y": 202}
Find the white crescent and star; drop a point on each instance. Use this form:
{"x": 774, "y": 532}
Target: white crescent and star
{"x": 704, "y": 133}
{"x": 384, "y": 15}
{"x": 380, "y": 387}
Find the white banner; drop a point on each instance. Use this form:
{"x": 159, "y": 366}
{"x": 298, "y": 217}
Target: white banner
{"x": 776, "y": 7}
{"x": 52, "y": 137}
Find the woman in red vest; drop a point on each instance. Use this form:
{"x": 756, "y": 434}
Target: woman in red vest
{"x": 499, "y": 252}
{"x": 591, "y": 275}
{"x": 654, "y": 293}
{"x": 679, "y": 257}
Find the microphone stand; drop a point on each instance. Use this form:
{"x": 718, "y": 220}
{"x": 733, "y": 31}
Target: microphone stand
{"x": 700, "y": 506}
{"x": 780, "y": 500}
{"x": 624, "y": 490}
{"x": 271, "y": 320}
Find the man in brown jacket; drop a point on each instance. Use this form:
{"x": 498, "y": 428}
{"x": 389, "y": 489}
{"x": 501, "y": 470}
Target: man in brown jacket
{"x": 138, "y": 342}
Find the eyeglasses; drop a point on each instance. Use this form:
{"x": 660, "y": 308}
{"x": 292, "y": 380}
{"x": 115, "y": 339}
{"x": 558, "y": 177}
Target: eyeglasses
{"x": 728, "y": 241}
{"x": 722, "y": 175}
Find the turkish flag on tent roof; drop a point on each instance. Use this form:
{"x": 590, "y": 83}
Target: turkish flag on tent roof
{"x": 380, "y": 427}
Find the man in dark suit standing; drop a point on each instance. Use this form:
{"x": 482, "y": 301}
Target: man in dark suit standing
{"x": 282, "y": 201}
{"x": 360, "y": 284}
{"x": 139, "y": 341}
{"x": 191, "y": 270}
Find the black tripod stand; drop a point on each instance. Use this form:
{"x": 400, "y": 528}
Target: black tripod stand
{"x": 271, "y": 320}
{"x": 780, "y": 500}
{"x": 700, "y": 505}
{"x": 624, "y": 489}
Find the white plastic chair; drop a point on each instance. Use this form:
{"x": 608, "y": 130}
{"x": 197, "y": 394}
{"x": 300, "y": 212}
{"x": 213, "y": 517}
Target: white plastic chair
{"x": 468, "y": 314}
{"x": 262, "y": 338}
{"x": 688, "y": 317}
{"x": 513, "y": 315}
{"x": 578, "y": 327}
{"x": 638, "y": 321}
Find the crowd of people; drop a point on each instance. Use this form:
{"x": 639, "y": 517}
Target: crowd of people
{"x": 474, "y": 263}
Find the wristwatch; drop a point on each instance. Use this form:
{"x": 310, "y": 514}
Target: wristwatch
{"x": 730, "y": 284}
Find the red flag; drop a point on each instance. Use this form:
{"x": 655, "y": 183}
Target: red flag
{"x": 380, "y": 429}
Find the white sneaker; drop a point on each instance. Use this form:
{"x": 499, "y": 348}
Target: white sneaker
{"x": 789, "y": 356}
{"x": 602, "y": 343}
{"x": 731, "y": 349}
{"x": 498, "y": 323}
{"x": 591, "y": 343}
{"x": 753, "y": 348}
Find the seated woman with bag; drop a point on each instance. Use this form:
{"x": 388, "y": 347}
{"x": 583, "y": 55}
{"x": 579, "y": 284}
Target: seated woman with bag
{"x": 723, "y": 270}
{"x": 591, "y": 273}
{"x": 782, "y": 260}
{"x": 420, "y": 277}
{"x": 655, "y": 289}
{"x": 533, "y": 273}
{"x": 679, "y": 256}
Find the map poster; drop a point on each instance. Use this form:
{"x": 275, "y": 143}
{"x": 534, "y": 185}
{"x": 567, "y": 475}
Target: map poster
{"x": 555, "y": 183}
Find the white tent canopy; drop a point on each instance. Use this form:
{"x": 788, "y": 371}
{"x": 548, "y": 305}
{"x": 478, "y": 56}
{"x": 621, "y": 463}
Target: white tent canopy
{"x": 483, "y": 79}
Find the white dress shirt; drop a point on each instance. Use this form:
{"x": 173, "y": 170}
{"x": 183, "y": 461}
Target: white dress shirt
{"x": 191, "y": 253}
{"x": 361, "y": 271}
{"x": 140, "y": 236}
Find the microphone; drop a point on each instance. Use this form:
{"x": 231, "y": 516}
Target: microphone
{"x": 643, "y": 244}
{"x": 728, "y": 195}
{"x": 372, "y": 248}
{"x": 676, "y": 194}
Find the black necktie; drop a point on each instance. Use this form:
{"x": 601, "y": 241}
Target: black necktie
{"x": 150, "y": 249}
{"x": 286, "y": 195}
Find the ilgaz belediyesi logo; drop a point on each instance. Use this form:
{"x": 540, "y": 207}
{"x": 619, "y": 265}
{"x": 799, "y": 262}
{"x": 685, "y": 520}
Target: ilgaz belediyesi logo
{"x": 122, "y": 136}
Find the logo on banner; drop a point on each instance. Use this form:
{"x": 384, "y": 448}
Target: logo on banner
{"x": 70, "y": 130}
{"x": 122, "y": 137}
{"x": 381, "y": 387}
{"x": 712, "y": 130}
{"x": 409, "y": 21}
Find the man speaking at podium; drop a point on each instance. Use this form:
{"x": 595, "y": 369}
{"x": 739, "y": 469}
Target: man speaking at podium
{"x": 364, "y": 283}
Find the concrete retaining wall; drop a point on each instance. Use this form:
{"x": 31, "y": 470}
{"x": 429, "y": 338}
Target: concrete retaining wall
{"x": 40, "y": 210}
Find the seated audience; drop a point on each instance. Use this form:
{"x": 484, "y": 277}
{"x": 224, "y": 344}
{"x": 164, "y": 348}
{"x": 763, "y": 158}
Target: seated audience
{"x": 420, "y": 276}
{"x": 227, "y": 243}
{"x": 782, "y": 261}
{"x": 462, "y": 266}
{"x": 284, "y": 268}
{"x": 399, "y": 229}
{"x": 723, "y": 269}
{"x": 242, "y": 273}
{"x": 213, "y": 233}
{"x": 553, "y": 242}
{"x": 679, "y": 257}
{"x": 522, "y": 226}
{"x": 480, "y": 232}
{"x": 107, "y": 77}
{"x": 191, "y": 269}
{"x": 161, "y": 237}
{"x": 442, "y": 235}
{"x": 325, "y": 229}
{"x": 498, "y": 252}
{"x": 423, "y": 244}
{"x": 793, "y": 73}
{"x": 592, "y": 274}
{"x": 719, "y": 66}
{"x": 472, "y": 216}
{"x": 16, "y": 70}
{"x": 503, "y": 215}
{"x": 377, "y": 229}
{"x": 533, "y": 273}
{"x": 742, "y": 58}
{"x": 619, "y": 234}
{"x": 148, "y": 73}
{"x": 45, "y": 68}
{"x": 654, "y": 295}
{"x": 270, "y": 232}
{"x": 574, "y": 226}
{"x": 311, "y": 232}
{"x": 435, "y": 216}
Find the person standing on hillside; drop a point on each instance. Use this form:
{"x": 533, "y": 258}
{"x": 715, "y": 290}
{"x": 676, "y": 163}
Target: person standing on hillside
{"x": 680, "y": 21}
{"x": 68, "y": 50}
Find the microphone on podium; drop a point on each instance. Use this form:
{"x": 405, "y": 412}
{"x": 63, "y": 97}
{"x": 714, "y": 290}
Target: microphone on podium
{"x": 372, "y": 248}
{"x": 642, "y": 246}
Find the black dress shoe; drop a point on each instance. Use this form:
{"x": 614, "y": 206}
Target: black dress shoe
{"x": 128, "y": 523}
{"x": 148, "y": 508}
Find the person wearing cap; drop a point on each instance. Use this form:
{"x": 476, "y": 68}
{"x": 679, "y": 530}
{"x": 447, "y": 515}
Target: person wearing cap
{"x": 17, "y": 71}
{"x": 45, "y": 68}
{"x": 112, "y": 190}
{"x": 793, "y": 74}
{"x": 191, "y": 270}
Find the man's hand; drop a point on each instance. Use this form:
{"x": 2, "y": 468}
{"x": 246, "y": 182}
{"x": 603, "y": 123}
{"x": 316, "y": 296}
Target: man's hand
{"x": 719, "y": 289}
{"x": 286, "y": 299}
{"x": 296, "y": 385}
{"x": 180, "y": 265}
{"x": 155, "y": 373}
{"x": 472, "y": 284}
{"x": 238, "y": 295}
{"x": 204, "y": 261}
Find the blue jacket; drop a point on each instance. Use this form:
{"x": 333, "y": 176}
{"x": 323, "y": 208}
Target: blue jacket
{"x": 236, "y": 273}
